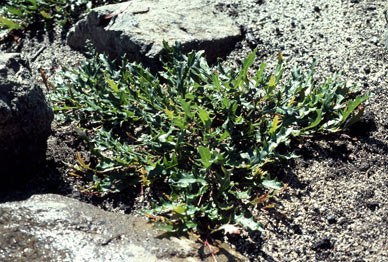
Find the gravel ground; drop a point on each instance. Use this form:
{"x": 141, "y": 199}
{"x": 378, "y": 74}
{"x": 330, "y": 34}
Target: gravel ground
{"x": 336, "y": 205}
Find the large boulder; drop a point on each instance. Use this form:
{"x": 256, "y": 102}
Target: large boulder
{"x": 56, "y": 228}
{"x": 25, "y": 118}
{"x": 137, "y": 29}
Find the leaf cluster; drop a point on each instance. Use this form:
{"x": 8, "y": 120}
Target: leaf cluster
{"x": 19, "y": 14}
{"x": 204, "y": 133}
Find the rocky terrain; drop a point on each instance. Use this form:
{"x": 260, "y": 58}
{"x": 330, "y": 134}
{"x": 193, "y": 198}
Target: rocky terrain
{"x": 336, "y": 205}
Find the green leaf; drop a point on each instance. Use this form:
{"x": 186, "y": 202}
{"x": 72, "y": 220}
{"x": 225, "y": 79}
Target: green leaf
{"x": 112, "y": 84}
{"x": 163, "y": 138}
{"x": 180, "y": 209}
{"x": 243, "y": 194}
{"x": 272, "y": 184}
{"x": 186, "y": 107}
{"x": 4, "y": 22}
{"x": 216, "y": 81}
{"x": 206, "y": 156}
{"x": 272, "y": 81}
{"x": 45, "y": 14}
{"x": 224, "y": 136}
{"x": 15, "y": 11}
{"x": 248, "y": 62}
{"x": 276, "y": 123}
{"x": 33, "y": 2}
{"x": 353, "y": 105}
{"x": 169, "y": 113}
{"x": 204, "y": 116}
{"x": 316, "y": 122}
{"x": 248, "y": 223}
{"x": 189, "y": 179}
{"x": 225, "y": 103}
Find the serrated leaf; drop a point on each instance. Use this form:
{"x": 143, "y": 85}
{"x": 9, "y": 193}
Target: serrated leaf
{"x": 112, "y": 84}
{"x": 82, "y": 162}
{"x": 205, "y": 117}
{"x": 275, "y": 125}
{"x": 355, "y": 117}
{"x": 243, "y": 194}
{"x": 188, "y": 180}
{"x": 169, "y": 113}
{"x": 249, "y": 223}
{"x": 224, "y": 136}
{"x": 272, "y": 184}
{"x": 45, "y": 14}
{"x": 225, "y": 103}
{"x": 186, "y": 107}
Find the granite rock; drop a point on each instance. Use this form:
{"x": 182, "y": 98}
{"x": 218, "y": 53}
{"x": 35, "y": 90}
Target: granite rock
{"x": 51, "y": 227}
{"x": 138, "y": 28}
{"x": 25, "y": 117}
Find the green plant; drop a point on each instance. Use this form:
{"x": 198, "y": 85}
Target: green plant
{"x": 206, "y": 133}
{"x": 19, "y": 14}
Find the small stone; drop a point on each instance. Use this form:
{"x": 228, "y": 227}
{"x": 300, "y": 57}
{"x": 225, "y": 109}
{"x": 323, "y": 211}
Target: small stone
{"x": 322, "y": 244}
{"x": 385, "y": 123}
{"x": 368, "y": 193}
{"x": 297, "y": 229}
{"x": 374, "y": 40}
{"x": 372, "y": 205}
{"x": 355, "y": 1}
{"x": 343, "y": 221}
{"x": 331, "y": 219}
{"x": 251, "y": 40}
{"x": 317, "y": 9}
{"x": 364, "y": 167}
{"x": 367, "y": 70}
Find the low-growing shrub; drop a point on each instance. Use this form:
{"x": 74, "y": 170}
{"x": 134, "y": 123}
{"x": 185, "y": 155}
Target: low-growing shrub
{"x": 203, "y": 132}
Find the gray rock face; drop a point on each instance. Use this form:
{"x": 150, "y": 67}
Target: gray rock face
{"x": 25, "y": 115}
{"x": 140, "y": 26}
{"x": 56, "y": 228}
{"x": 386, "y": 27}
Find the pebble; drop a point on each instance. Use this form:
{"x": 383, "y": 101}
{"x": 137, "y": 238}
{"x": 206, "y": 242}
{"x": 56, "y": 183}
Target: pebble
{"x": 372, "y": 205}
{"x": 322, "y": 244}
{"x": 331, "y": 219}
